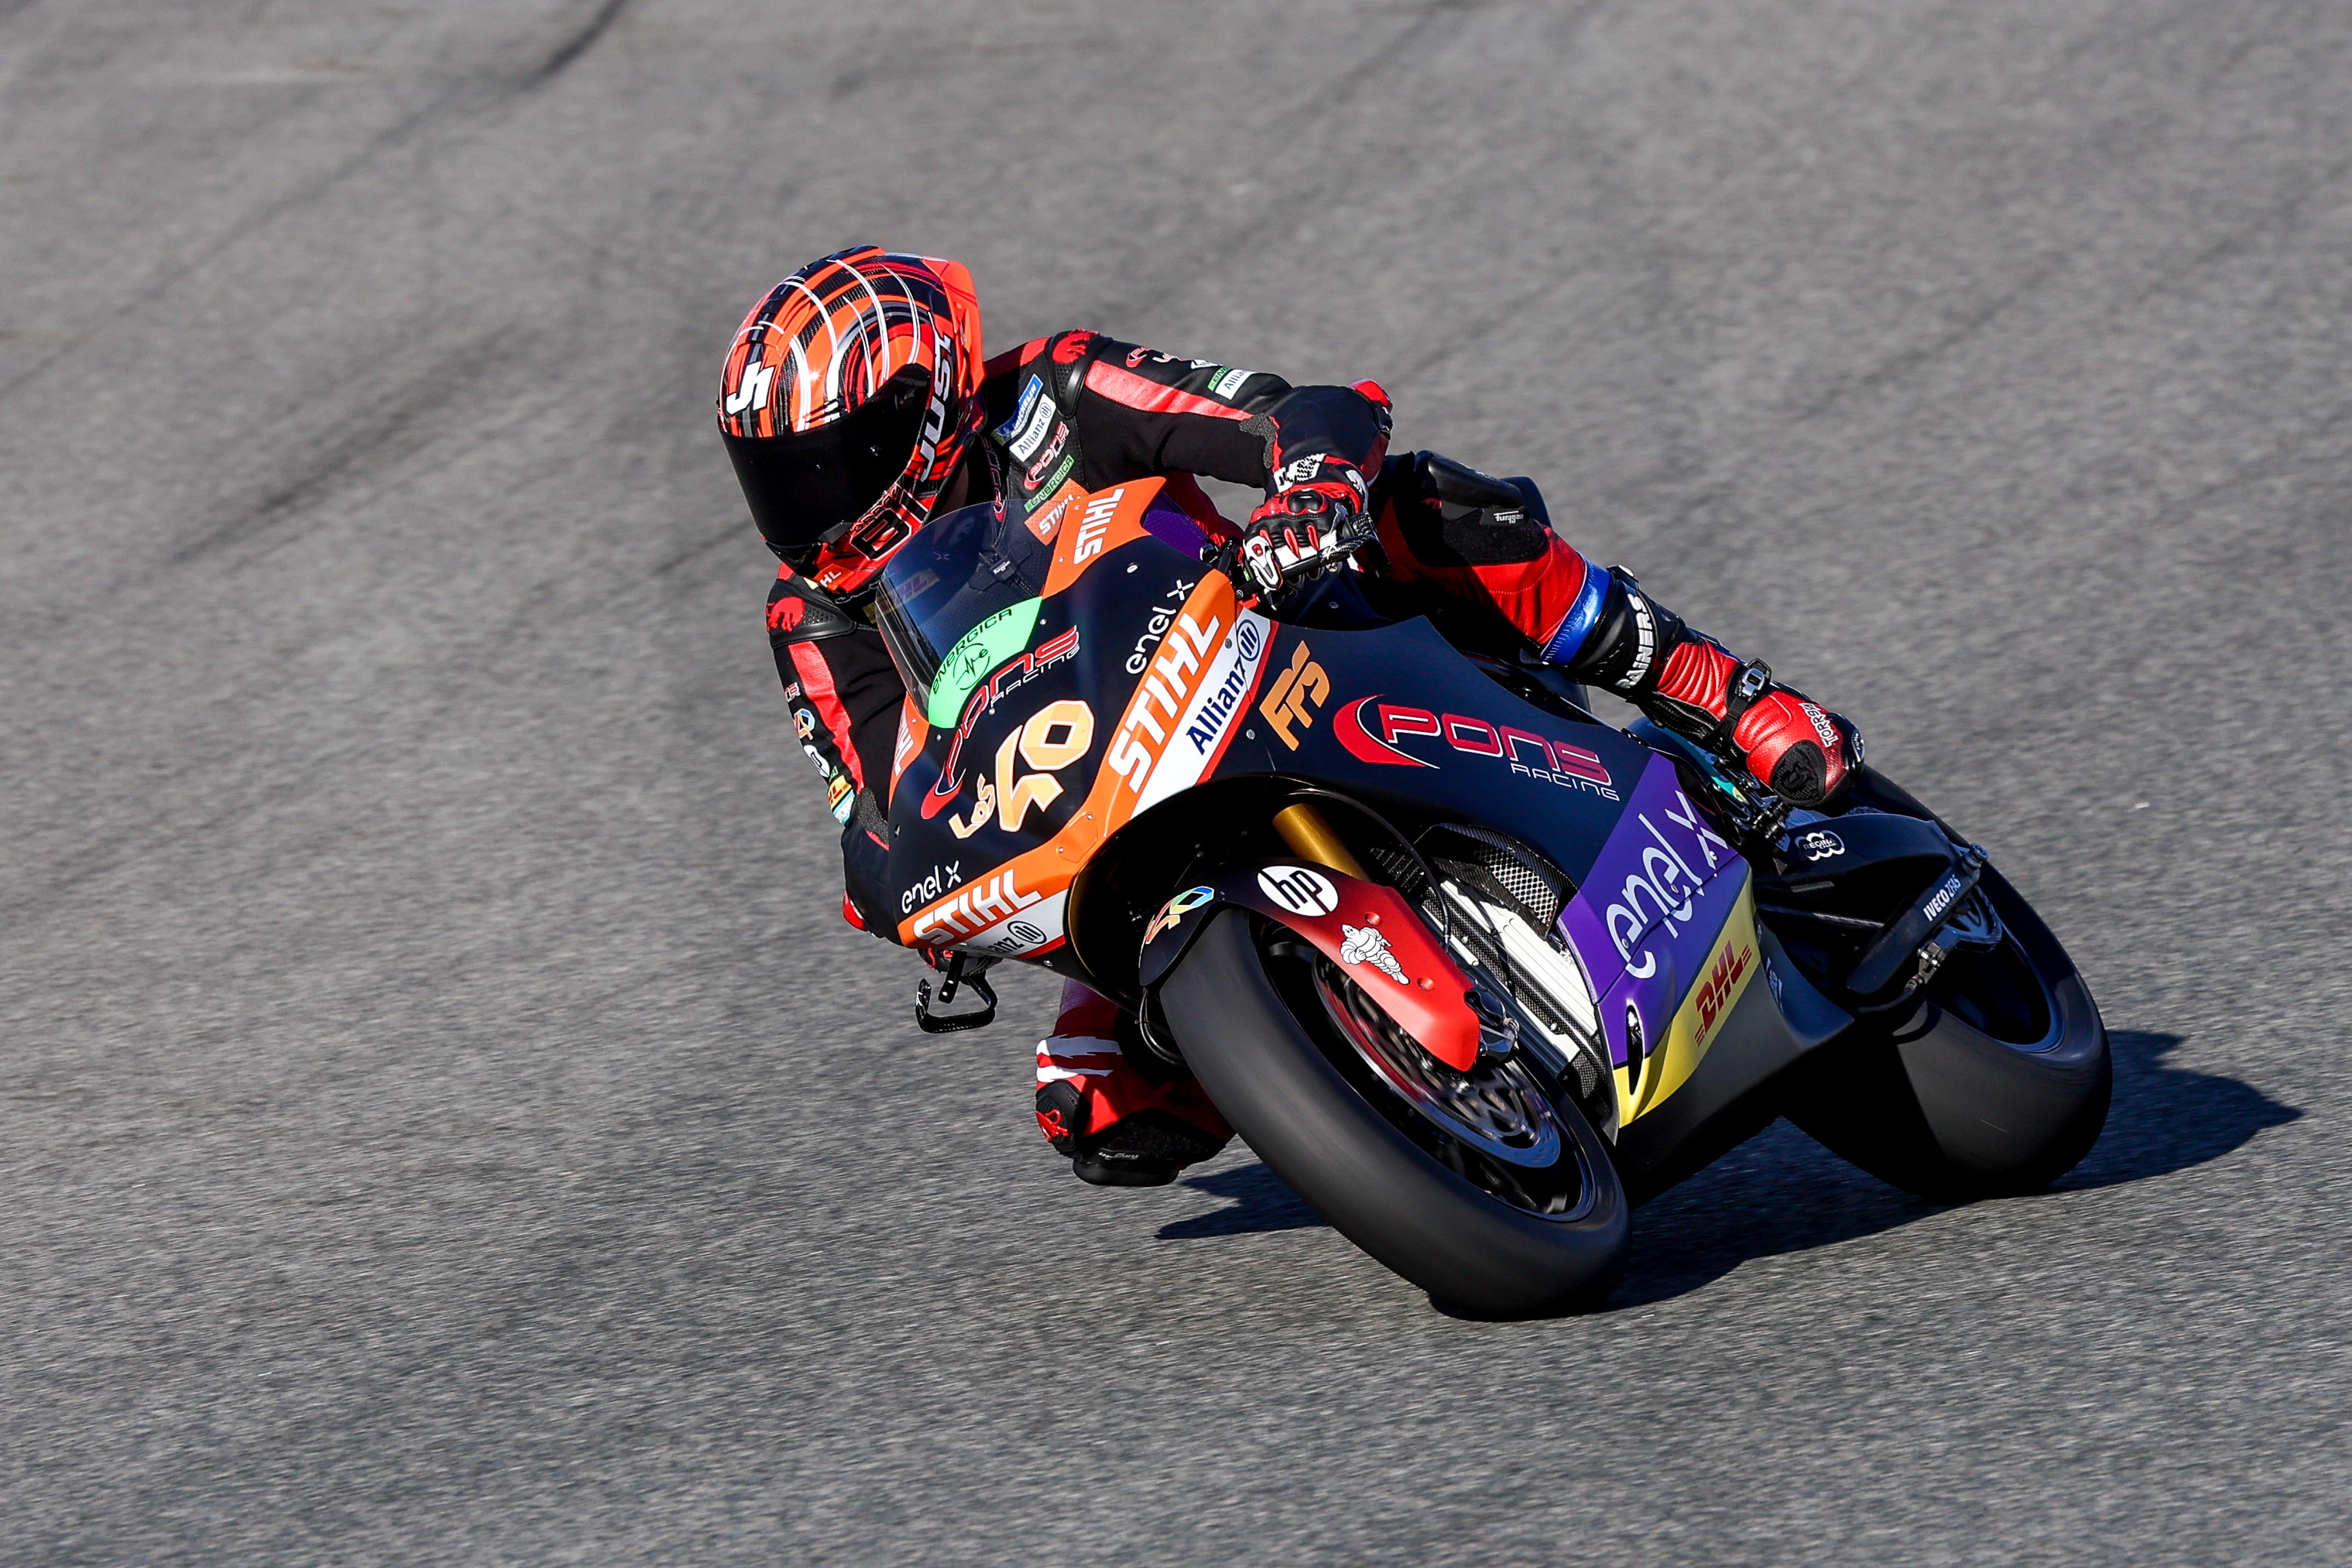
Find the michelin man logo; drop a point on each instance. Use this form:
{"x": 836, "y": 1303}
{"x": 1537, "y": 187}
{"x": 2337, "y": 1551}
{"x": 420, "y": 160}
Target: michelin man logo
{"x": 1362, "y": 944}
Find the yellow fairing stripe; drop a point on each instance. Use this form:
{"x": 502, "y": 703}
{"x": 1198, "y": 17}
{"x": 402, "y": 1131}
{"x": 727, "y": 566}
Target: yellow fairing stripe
{"x": 1730, "y": 965}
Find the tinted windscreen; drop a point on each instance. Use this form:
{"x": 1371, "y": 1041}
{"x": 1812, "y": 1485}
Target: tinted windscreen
{"x": 972, "y": 571}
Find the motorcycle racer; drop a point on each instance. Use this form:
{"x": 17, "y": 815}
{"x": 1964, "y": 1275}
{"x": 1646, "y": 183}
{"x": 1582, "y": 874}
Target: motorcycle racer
{"x": 856, "y": 406}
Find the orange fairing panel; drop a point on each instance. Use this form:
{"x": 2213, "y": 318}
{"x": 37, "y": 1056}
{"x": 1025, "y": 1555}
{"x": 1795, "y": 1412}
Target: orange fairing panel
{"x": 1095, "y": 526}
{"x": 1177, "y": 723}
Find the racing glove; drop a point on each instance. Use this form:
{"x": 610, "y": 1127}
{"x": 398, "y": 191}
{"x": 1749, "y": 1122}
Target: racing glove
{"x": 1642, "y": 651}
{"x": 1308, "y": 526}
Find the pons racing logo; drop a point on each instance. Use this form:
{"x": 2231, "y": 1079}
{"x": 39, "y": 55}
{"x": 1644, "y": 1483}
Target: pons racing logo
{"x": 1372, "y": 730}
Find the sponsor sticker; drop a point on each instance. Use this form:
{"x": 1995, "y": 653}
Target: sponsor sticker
{"x": 1053, "y": 450}
{"x": 1228, "y": 381}
{"x": 1176, "y": 908}
{"x": 1722, "y": 987}
{"x": 1157, "y": 626}
{"x": 1047, "y": 523}
{"x": 1297, "y": 692}
{"x": 976, "y": 909}
{"x": 944, "y": 879}
{"x": 1026, "y": 429}
{"x": 1094, "y": 526}
{"x": 1403, "y": 736}
{"x": 1363, "y": 944}
{"x": 1300, "y": 889}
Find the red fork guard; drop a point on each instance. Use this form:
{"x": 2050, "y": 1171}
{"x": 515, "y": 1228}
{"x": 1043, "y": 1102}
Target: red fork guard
{"x": 1377, "y": 938}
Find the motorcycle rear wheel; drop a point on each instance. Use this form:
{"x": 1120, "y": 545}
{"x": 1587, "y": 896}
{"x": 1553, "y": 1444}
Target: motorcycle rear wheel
{"x": 1544, "y": 1228}
{"x": 1997, "y": 1087}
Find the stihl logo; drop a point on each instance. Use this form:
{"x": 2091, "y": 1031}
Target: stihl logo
{"x": 1094, "y": 527}
{"x": 1716, "y": 993}
{"x": 752, "y": 391}
{"x": 1297, "y": 692}
{"x": 974, "y": 910}
{"x": 1168, "y": 682}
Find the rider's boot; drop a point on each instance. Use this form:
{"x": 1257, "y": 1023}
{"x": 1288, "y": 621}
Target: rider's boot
{"x": 1122, "y": 1117}
{"x": 1686, "y": 682}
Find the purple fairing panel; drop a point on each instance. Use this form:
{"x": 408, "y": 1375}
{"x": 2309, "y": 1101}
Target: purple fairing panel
{"x": 1647, "y": 914}
{"x": 1174, "y": 527}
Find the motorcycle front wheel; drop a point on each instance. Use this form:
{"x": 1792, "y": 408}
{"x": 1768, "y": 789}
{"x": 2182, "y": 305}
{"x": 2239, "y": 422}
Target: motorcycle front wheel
{"x": 1490, "y": 1190}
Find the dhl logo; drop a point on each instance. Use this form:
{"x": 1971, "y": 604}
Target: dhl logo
{"x": 1721, "y": 986}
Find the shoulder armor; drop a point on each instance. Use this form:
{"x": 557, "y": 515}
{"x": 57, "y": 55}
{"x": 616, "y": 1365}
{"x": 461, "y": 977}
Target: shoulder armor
{"x": 800, "y": 611}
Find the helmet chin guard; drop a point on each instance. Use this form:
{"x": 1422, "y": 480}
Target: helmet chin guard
{"x": 848, "y": 399}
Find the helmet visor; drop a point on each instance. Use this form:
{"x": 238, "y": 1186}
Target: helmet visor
{"x": 807, "y": 488}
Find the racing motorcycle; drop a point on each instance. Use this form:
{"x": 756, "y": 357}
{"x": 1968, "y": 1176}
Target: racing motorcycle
{"x": 1472, "y": 971}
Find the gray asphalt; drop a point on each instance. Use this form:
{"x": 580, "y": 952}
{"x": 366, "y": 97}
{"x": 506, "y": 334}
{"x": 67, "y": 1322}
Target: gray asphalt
{"x": 442, "y": 1117}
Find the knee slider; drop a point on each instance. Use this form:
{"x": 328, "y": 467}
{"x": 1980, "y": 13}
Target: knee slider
{"x": 1468, "y": 518}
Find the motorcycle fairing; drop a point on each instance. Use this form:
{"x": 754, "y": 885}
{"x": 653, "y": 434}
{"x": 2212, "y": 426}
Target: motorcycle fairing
{"x": 1378, "y": 938}
{"x": 1176, "y": 716}
{"x": 1179, "y": 685}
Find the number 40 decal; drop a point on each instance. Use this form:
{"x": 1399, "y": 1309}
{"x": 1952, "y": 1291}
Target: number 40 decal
{"x": 1055, "y": 735}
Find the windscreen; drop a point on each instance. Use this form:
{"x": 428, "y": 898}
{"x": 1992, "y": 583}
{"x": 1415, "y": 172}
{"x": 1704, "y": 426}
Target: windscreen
{"x": 958, "y": 599}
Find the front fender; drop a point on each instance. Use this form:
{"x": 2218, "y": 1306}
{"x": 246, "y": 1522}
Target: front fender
{"x": 1378, "y": 938}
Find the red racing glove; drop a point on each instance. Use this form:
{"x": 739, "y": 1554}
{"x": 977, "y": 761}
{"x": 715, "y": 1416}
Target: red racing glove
{"x": 1308, "y": 526}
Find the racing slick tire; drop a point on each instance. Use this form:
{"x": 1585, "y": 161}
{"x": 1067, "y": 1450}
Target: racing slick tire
{"x": 1997, "y": 1086}
{"x": 1365, "y": 1159}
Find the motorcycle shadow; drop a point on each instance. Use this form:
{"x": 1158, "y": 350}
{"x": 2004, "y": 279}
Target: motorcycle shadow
{"x": 1258, "y": 1202}
{"x": 1784, "y": 1193}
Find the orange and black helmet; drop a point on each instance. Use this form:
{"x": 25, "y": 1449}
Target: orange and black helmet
{"x": 850, "y": 395}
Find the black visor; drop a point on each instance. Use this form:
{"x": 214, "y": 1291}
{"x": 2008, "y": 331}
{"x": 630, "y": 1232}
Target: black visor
{"x": 806, "y": 488}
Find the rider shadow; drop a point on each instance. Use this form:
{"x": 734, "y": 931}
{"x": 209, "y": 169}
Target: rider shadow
{"x": 1259, "y": 1202}
{"x": 1784, "y": 1193}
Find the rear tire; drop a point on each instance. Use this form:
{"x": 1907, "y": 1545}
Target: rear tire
{"x": 1999, "y": 1090}
{"x": 1273, "y": 1076}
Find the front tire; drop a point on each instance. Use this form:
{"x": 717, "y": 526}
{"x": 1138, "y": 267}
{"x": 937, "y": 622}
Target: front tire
{"x": 1274, "y": 1067}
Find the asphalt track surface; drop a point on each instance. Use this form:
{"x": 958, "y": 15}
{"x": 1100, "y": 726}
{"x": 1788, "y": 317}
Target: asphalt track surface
{"x": 442, "y": 1116}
